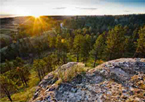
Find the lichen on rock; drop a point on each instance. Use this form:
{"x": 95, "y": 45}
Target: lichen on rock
{"x": 121, "y": 80}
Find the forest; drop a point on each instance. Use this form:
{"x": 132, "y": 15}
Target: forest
{"x": 38, "y": 46}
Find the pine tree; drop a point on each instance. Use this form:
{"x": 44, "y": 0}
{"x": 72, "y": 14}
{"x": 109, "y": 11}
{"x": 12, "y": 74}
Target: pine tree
{"x": 40, "y": 65}
{"x": 49, "y": 63}
{"x": 140, "y": 51}
{"x": 62, "y": 48}
{"x": 115, "y": 43}
{"x": 7, "y": 86}
{"x": 8, "y": 65}
{"x": 23, "y": 74}
{"x": 52, "y": 41}
{"x": 85, "y": 47}
{"x": 98, "y": 48}
{"x": 77, "y": 45}
{"x": 18, "y": 62}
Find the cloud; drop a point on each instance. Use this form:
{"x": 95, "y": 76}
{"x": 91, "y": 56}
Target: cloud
{"x": 126, "y": 1}
{"x": 60, "y": 8}
{"x": 86, "y": 8}
{"x": 126, "y": 11}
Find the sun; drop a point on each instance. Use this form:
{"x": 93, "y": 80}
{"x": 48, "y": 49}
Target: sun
{"x": 36, "y": 16}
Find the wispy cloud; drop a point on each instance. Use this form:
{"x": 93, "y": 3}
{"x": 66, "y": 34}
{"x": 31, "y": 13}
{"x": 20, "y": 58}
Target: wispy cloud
{"x": 127, "y": 11}
{"x": 83, "y": 8}
{"x": 60, "y": 8}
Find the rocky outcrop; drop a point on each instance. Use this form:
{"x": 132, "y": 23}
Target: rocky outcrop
{"x": 121, "y": 80}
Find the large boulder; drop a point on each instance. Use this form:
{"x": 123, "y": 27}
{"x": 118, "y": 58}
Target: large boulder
{"x": 114, "y": 81}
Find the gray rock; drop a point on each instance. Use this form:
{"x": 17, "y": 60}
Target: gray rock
{"x": 120, "y": 74}
{"x": 96, "y": 84}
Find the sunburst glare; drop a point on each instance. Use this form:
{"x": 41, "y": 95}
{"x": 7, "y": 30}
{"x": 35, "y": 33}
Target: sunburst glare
{"x": 36, "y": 15}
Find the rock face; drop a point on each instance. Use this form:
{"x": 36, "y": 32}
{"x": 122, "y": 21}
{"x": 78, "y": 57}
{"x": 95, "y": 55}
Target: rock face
{"x": 121, "y": 80}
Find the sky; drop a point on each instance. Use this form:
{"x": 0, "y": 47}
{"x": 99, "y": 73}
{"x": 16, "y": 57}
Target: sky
{"x": 70, "y": 7}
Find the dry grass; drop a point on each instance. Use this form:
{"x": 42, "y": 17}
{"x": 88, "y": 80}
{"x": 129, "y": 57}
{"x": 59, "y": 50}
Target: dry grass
{"x": 70, "y": 73}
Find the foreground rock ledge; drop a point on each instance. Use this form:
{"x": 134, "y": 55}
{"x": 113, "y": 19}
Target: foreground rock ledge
{"x": 121, "y": 80}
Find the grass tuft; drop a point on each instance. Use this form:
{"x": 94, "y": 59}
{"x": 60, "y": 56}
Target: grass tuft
{"x": 70, "y": 73}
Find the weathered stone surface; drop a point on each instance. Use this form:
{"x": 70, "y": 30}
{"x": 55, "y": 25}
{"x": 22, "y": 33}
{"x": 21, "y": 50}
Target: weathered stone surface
{"x": 121, "y": 80}
{"x": 120, "y": 74}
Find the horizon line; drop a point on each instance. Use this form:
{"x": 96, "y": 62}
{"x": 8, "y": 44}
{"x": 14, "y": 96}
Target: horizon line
{"x": 14, "y": 16}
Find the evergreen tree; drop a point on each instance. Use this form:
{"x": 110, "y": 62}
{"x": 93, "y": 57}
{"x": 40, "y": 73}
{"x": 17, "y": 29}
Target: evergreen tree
{"x": 98, "y": 48}
{"x": 23, "y": 74}
{"x": 49, "y": 63}
{"x": 8, "y": 65}
{"x": 7, "y": 87}
{"x": 129, "y": 47}
{"x": 52, "y": 41}
{"x": 18, "y": 62}
{"x": 115, "y": 43}
{"x": 40, "y": 65}
{"x": 85, "y": 47}
{"x": 140, "y": 51}
{"x": 77, "y": 45}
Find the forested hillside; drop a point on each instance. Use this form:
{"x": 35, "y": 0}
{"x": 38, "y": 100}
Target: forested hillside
{"x": 37, "y": 46}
